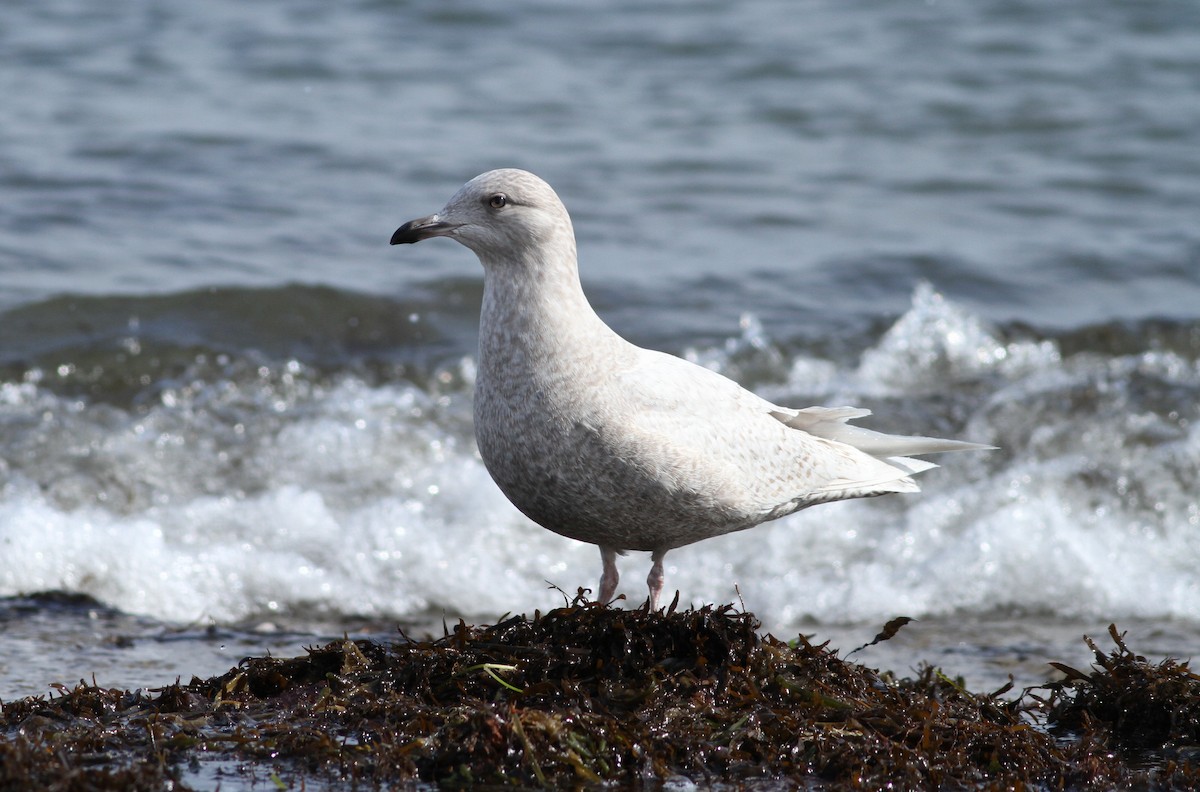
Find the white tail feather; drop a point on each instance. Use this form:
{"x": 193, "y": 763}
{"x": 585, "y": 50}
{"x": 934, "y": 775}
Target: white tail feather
{"x": 831, "y": 424}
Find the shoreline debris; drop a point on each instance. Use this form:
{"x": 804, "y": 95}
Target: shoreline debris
{"x": 585, "y": 695}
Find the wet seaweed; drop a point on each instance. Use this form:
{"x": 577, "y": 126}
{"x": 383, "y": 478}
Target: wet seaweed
{"x": 1141, "y": 709}
{"x": 587, "y": 695}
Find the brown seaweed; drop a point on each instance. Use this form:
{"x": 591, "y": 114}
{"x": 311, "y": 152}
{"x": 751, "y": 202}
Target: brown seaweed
{"x": 1137, "y": 707}
{"x": 587, "y": 695}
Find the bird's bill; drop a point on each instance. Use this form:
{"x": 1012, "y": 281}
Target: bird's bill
{"x": 422, "y": 228}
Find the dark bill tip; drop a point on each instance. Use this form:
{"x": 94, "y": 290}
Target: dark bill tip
{"x": 422, "y": 228}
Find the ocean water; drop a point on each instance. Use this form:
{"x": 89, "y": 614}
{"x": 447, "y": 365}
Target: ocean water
{"x": 236, "y": 419}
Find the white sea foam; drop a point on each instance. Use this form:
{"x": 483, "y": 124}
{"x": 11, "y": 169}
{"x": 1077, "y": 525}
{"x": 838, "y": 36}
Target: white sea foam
{"x": 243, "y": 497}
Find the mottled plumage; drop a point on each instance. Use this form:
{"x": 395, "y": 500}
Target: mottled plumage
{"x": 630, "y": 449}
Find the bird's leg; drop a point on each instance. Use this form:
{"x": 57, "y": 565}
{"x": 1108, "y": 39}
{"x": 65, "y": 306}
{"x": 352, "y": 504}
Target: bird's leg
{"x": 608, "y": 577}
{"x": 655, "y": 579}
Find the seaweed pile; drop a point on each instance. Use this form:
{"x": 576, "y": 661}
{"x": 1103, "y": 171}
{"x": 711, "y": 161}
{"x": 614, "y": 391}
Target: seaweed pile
{"x": 1130, "y": 705}
{"x": 587, "y": 695}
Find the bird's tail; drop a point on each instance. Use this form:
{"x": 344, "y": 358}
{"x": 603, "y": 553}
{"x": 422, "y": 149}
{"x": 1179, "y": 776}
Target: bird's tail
{"x": 831, "y": 423}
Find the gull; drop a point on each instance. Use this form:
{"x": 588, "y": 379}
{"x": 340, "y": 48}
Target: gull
{"x": 627, "y": 448}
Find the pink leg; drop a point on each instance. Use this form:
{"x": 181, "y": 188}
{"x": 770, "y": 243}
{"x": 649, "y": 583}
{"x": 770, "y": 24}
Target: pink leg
{"x": 655, "y": 579}
{"x": 608, "y": 577}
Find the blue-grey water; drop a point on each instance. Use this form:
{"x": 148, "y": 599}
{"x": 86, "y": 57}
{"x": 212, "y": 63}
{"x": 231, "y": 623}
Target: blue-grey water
{"x": 229, "y": 411}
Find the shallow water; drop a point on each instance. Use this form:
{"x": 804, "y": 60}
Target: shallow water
{"x": 225, "y": 401}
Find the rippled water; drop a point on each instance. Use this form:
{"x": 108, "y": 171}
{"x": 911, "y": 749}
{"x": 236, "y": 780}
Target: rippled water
{"x": 224, "y": 398}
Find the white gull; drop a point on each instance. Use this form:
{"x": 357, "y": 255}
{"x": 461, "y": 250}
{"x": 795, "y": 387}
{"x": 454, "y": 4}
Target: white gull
{"x": 623, "y": 447}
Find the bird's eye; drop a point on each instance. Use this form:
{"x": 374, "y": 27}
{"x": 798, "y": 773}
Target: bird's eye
{"x": 497, "y": 201}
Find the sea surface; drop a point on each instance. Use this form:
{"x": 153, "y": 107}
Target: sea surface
{"x": 234, "y": 420}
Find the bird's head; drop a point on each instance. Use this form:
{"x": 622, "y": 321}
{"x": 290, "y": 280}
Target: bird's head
{"x": 499, "y": 215}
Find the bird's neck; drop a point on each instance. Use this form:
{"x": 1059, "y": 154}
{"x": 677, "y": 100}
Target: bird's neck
{"x": 537, "y": 311}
